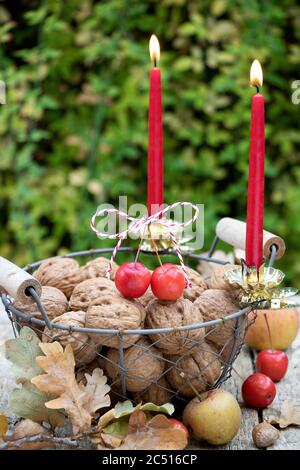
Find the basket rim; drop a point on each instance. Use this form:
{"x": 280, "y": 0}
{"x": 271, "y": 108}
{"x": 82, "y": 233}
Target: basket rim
{"x": 121, "y": 332}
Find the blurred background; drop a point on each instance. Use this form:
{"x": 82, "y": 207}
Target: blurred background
{"x": 73, "y": 131}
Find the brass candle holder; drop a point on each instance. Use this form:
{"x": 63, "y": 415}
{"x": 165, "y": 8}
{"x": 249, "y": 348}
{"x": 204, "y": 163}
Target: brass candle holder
{"x": 260, "y": 287}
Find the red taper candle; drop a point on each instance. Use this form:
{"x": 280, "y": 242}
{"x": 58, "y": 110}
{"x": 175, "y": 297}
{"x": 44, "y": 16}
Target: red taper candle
{"x": 155, "y": 134}
{"x": 255, "y": 201}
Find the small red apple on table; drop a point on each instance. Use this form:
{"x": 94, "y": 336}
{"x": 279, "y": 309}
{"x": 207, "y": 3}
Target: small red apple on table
{"x": 273, "y": 363}
{"x": 258, "y": 391}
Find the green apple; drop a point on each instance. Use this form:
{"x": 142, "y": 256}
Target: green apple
{"x": 215, "y": 417}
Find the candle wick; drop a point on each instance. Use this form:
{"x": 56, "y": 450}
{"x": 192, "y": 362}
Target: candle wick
{"x": 155, "y": 62}
{"x": 257, "y": 88}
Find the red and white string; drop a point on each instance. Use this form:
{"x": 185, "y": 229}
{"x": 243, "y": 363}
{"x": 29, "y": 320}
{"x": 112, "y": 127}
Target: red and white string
{"x": 140, "y": 224}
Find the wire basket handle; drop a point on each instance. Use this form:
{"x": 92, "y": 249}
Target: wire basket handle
{"x": 233, "y": 232}
{"x": 17, "y": 283}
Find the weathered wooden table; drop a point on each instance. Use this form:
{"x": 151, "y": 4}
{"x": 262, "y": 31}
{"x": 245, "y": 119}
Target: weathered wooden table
{"x": 288, "y": 389}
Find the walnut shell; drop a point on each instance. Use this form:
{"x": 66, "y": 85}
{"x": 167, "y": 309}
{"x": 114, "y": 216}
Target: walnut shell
{"x": 264, "y": 435}
{"x": 63, "y": 273}
{"x": 83, "y": 347}
{"x": 54, "y": 301}
{"x": 215, "y": 304}
{"x": 199, "y": 285}
{"x": 146, "y": 298}
{"x": 90, "y": 291}
{"x": 98, "y": 268}
{"x": 117, "y": 313}
{"x": 143, "y": 364}
{"x": 158, "y": 393}
{"x": 201, "y": 368}
{"x": 171, "y": 315}
{"x": 216, "y": 280}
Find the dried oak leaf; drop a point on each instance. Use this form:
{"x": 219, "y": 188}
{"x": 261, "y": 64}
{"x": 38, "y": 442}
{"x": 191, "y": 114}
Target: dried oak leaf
{"x": 96, "y": 390}
{"x": 289, "y": 416}
{"x": 156, "y": 434}
{"x": 26, "y": 429}
{"x": 80, "y": 402}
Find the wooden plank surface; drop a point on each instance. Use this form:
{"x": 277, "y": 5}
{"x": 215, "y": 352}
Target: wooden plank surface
{"x": 287, "y": 389}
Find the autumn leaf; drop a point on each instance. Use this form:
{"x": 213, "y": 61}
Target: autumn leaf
{"x": 26, "y": 429}
{"x": 80, "y": 402}
{"x": 126, "y": 408}
{"x": 289, "y": 416}
{"x": 28, "y": 402}
{"x": 156, "y": 434}
{"x": 96, "y": 391}
{"x": 3, "y": 425}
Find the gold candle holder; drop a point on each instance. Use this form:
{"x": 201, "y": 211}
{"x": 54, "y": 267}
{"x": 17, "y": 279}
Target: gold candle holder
{"x": 259, "y": 287}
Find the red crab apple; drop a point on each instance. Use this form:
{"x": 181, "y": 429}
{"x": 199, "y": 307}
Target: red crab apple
{"x": 179, "y": 425}
{"x": 167, "y": 282}
{"x": 132, "y": 279}
{"x": 273, "y": 363}
{"x": 258, "y": 390}
{"x": 214, "y": 417}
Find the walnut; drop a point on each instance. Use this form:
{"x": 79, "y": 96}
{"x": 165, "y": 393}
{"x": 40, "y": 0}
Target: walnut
{"x": 143, "y": 364}
{"x": 216, "y": 280}
{"x": 63, "y": 273}
{"x": 158, "y": 393}
{"x": 265, "y": 435}
{"x": 171, "y": 315}
{"x": 90, "y": 291}
{"x": 98, "y": 268}
{"x": 214, "y": 304}
{"x": 83, "y": 347}
{"x": 53, "y": 300}
{"x": 147, "y": 297}
{"x": 201, "y": 368}
{"x": 114, "y": 312}
{"x": 198, "y": 285}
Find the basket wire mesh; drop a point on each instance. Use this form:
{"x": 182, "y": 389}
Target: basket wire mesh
{"x": 236, "y": 324}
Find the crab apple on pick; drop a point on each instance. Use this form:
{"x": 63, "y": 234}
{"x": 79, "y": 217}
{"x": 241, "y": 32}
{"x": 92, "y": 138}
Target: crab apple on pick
{"x": 167, "y": 282}
{"x": 132, "y": 279}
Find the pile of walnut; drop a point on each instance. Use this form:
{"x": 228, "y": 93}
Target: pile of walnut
{"x": 157, "y": 366}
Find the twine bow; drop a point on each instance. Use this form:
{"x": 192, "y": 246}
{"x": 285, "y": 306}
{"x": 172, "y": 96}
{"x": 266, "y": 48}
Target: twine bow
{"x": 140, "y": 225}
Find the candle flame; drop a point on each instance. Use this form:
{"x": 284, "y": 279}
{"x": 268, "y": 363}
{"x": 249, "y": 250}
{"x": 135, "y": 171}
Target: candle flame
{"x": 154, "y": 48}
{"x": 256, "y": 74}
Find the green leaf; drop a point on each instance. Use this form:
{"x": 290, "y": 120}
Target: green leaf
{"x": 118, "y": 428}
{"x": 167, "y": 408}
{"x": 28, "y": 401}
{"x": 123, "y": 409}
{"x": 22, "y": 352}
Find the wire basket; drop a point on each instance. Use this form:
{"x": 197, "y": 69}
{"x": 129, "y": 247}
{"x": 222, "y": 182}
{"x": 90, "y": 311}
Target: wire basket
{"x": 142, "y": 372}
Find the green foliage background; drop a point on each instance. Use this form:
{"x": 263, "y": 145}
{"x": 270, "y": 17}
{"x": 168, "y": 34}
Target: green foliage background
{"x": 74, "y": 129}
